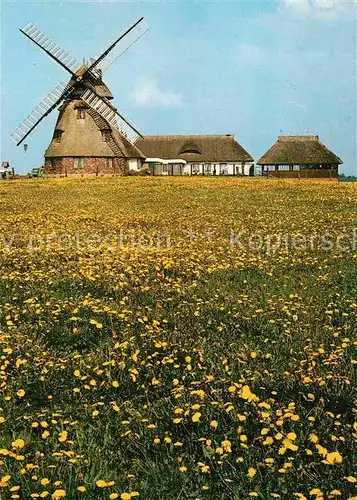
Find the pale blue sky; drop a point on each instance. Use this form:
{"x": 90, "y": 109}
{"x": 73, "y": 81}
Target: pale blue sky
{"x": 256, "y": 69}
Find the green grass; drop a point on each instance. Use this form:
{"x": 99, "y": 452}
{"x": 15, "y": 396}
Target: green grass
{"x": 188, "y": 324}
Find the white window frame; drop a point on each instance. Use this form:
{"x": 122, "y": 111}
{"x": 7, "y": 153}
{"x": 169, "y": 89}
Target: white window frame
{"x": 78, "y": 162}
{"x": 81, "y": 113}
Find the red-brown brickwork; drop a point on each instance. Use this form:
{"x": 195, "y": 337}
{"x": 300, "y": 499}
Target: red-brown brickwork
{"x": 65, "y": 166}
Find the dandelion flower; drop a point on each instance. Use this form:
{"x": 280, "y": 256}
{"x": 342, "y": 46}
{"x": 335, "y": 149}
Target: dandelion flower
{"x": 58, "y": 494}
{"x": 4, "y": 480}
{"x": 63, "y": 436}
{"x": 18, "y": 443}
{"x": 247, "y": 394}
{"x": 251, "y": 472}
{"x": 334, "y": 458}
{"x": 196, "y": 417}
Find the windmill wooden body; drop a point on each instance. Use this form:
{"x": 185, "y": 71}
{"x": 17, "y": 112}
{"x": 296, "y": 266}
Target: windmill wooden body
{"x": 91, "y": 136}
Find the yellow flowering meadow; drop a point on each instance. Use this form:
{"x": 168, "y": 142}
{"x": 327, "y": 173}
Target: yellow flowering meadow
{"x": 178, "y": 338}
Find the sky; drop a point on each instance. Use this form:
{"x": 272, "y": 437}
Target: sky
{"x": 256, "y": 69}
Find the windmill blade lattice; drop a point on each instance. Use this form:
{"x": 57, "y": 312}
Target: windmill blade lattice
{"x": 121, "y": 46}
{"x": 61, "y": 55}
{"x": 114, "y": 118}
{"x": 62, "y": 91}
{"x": 52, "y": 99}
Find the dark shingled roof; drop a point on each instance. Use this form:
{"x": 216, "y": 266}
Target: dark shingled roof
{"x": 299, "y": 150}
{"x": 193, "y": 148}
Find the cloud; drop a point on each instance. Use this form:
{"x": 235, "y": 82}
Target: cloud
{"x": 148, "y": 94}
{"x": 298, "y": 7}
{"x": 317, "y": 9}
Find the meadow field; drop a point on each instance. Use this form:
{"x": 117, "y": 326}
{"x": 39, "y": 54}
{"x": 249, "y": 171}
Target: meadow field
{"x": 178, "y": 338}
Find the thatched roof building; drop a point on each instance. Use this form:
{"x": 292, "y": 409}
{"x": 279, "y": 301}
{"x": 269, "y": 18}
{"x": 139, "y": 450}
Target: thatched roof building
{"x": 194, "y": 148}
{"x": 84, "y": 142}
{"x": 300, "y": 156}
{"x": 83, "y": 137}
{"x": 299, "y": 150}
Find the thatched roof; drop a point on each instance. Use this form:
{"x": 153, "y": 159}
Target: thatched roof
{"x": 194, "y": 148}
{"x": 84, "y": 137}
{"x": 299, "y": 150}
{"x": 94, "y": 80}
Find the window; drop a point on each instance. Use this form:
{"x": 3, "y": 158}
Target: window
{"x": 195, "y": 168}
{"x": 109, "y": 163}
{"x": 223, "y": 168}
{"x": 57, "y": 135}
{"x": 192, "y": 151}
{"x": 190, "y": 147}
{"x": 164, "y": 169}
{"x": 79, "y": 162}
{"x": 208, "y": 168}
{"x": 53, "y": 162}
{"x": 81, "y": 113}
{"x": 106, "y": 135}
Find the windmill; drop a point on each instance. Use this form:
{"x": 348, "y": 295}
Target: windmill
{"x": 91, "y": 136}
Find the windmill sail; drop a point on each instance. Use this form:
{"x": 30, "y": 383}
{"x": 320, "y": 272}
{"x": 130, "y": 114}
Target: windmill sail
{"x": 82, "y": 76}
{"x": 50, "y": 102}
{"x": 121, "y": 45}
{"x": 112, "y": 116}
{"x": 58, "y": 53}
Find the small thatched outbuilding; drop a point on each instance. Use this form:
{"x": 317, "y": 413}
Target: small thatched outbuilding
{"x": 300, "y": 156}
